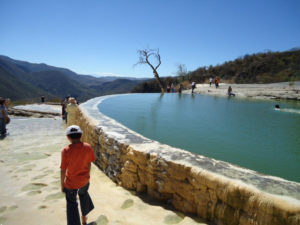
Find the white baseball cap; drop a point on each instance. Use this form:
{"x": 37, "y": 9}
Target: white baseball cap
{"x": 73, "y": 130}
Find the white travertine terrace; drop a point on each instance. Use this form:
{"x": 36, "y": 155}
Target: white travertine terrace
{"x": 215, "y": 190}
{"x": 283, "y": 90}
{"x": 40, "y": 108}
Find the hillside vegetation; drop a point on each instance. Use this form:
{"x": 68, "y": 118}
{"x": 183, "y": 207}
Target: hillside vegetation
{"x": 21, "y": 80}
{"x": 267, "y": 67}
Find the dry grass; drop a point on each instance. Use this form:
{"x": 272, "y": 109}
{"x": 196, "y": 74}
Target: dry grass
{"x": 185, "y": 85}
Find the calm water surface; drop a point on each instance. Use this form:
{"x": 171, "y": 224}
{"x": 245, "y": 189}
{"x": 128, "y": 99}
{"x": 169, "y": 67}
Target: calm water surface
{"x": 247, "y": 133}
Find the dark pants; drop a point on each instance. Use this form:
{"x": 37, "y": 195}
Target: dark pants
{"x": 193, "y": 87}
{"x": 86, "y": 204}
{"x": 2, "y": 128}
{"x": 66, "y": 117}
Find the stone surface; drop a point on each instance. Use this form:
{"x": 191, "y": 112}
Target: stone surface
{"x": 42, "y": 107}
{"x": 214, "y": 190}
{"x": 36, "y": 110}
{"x": 284, "y": 90}
{"x": 41, "y": 202}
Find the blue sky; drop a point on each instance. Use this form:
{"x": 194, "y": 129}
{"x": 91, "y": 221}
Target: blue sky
{"x": 102, "y": 36}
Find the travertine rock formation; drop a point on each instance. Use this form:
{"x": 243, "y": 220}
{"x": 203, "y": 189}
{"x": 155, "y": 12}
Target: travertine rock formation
{"x": 183, "y": 179}
{"x": 31, "y": 113}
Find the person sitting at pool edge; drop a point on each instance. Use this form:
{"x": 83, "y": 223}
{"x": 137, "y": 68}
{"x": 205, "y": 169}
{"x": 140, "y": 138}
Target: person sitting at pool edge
{"x": 210, "y": 81}
{"x": 76, "y": 160}
{"x": 229, "y": 92}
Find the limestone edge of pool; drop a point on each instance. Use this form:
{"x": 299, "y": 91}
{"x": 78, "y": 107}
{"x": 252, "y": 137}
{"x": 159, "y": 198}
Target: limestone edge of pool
{"x": 215, "y": 190}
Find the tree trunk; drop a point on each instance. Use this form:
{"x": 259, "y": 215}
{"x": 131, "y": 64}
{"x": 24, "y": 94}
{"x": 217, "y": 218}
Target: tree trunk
{"x": 158, "y": 81}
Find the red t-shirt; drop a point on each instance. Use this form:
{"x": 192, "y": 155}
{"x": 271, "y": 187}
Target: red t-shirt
{"x": 76, "y": 160}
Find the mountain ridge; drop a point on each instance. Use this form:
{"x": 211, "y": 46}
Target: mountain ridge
{"x": 21, "y": 80}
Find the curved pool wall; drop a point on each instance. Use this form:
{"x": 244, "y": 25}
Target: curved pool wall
{"x": 215, "y": 190}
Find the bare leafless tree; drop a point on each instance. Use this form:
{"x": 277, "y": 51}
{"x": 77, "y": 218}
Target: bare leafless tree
{"x": 181, "y": 70}
{"x": 144, "y": 58}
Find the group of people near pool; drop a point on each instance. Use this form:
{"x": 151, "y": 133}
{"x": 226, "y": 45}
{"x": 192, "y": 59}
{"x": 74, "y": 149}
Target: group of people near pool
{"x": 67, "y": 101}
{"x": 171, "y": 87}
{"x": 217, "y": 84}
{"x": 216, "y": 81}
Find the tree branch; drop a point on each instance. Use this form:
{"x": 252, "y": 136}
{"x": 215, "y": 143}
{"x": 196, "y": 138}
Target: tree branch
{"x": 159, "y": 61}
{"x": 144, "y": 58}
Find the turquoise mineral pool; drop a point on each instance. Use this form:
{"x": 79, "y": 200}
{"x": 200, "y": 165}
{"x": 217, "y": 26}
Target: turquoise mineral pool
{"x": 248, "y": 133}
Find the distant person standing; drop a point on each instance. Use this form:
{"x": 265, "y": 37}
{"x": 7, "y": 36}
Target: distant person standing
{"x": 63, "y": 109}
{"x": 193, "y": 86}
{"x": 168, "y": 88}
{"x": 71, "y": 107}
{"x": 217, "y": 82}
{"x": 43, "y": 99}
{"x": 6, "y": 105}
{"x": 172, "y": 88}
{"x": 180, "y": 88}
{"x": 64, "y": 112}
{"x": 229, "y": 91}
{"x": 210, "y": 81}
{"x": 4, "y": 119}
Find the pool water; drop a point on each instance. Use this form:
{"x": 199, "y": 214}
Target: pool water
{"x": 248, "y": 133}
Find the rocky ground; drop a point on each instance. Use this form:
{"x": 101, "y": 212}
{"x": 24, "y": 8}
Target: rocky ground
{"x": 30, "y": 183}
{"x": 36, "y": 110}
{"x": 285, "y": 90}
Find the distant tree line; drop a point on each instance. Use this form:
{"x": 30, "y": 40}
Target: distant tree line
{"x": 265, "y": 67}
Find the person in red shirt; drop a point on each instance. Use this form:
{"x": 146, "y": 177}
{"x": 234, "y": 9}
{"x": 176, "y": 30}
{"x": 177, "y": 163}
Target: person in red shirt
{"x": 76, "y": 160}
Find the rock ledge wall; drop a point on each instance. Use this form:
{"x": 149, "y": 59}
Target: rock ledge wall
{"x": 173, "y": 175}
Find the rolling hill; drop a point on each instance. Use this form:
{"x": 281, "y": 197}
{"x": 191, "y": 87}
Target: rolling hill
{"x": 266, "y": 67}
{"x": 20, "y": 80}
